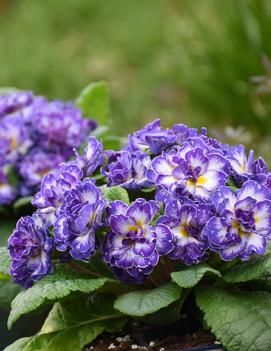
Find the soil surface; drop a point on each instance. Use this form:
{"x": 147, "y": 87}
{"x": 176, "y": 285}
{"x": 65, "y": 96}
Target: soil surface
{"x": 155, "y": 339}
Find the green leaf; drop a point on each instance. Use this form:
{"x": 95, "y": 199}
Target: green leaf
{"x": 112, "y": 142}
{"x": 144, "y": 302}
{"x": 97, "y": 265}
{"x": 12, "y": 175}
{"x": 190, "y": 276}
{"x": 232, "y": 185}
{"x": 100, "y": 132}
{"x": 240, "y": 320}
{"x": 115, "y": 193}
{"x": 94, "y": 102}
{"x": 255, "y": 268}
{"x": 23, "y": 201}
{"x": 4, "y": 261}
{"x": 18, "y": 345}
{"x": 149, "y": 190}
{"x": 6, "y": 228}
{"x": 166, "y": 315}
{"x": 52, "y": 288}
{"x": 8, "y": 291}
{"x": 73, "y": 324}
{"x": 8, "y": 90}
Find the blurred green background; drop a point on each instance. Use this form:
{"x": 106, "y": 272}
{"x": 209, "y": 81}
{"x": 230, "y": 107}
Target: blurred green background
{"x": 205, "y": 63}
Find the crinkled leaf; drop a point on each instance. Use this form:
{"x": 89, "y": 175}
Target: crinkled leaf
{"x": 94, "y": 102}
{"x": 8, "y": 291}
{"x": 144, "y": 302}
{"x": 190, "y": 276}
{"x": 72, "y": 325}
{"x": 52, "y": 288}
{"x": 240, "y": 320}
{"x": 4, "y": 261}
{"x": 255, "y": 268}
{"x": 97, "y": 264}
{"x": 115, "y": 193}
{"x": 18, "y": 345}
{"x": 166, "y": 315}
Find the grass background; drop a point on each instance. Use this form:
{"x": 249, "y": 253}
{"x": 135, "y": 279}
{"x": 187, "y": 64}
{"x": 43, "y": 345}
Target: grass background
{"x": 182, "y": 60}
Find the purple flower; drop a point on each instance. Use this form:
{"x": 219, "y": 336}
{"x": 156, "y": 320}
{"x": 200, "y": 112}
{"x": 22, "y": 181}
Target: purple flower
{"x": 245, "y": 168}
{"x": 261, "y": 173}
{"x": 239, "y": 162}
{"x": 81, "y": 216}
{"x": 92, "y": 156}
{"x": 37, "y": 135}
{"x": 60, "y": 123}
{"x": 242, "y": 167}
{"x": 151, "y": 138}
{"x": 53, "y": 187}
{"x": 15, "y": 140}
{"x": 30, "y": 247}
{"x": 14, "y": 102}
{"x": 243, "y": 222}
{"x": 186, "y": 222}
{"x": 37, "y": 164}
{"x": 183, "y": 133}
{"x": 127, "y": 169}
{"x": 133, "y": 245}
{"x": 192, "y": 170}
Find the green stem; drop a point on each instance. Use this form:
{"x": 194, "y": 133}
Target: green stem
{"x": 81, "y": 269}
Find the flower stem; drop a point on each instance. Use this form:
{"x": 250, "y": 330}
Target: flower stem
{"x": 81, "y": 269}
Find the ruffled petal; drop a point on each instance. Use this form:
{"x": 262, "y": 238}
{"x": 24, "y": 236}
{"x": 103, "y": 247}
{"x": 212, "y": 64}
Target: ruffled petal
{"x": 254, "y": 190}
{"x": 262, "y": 217}
{"x": 122, "y": 224}
{"x": 164, "y": 240}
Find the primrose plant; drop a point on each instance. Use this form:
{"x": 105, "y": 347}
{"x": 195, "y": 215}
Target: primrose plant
{"x": 173, "y": 216}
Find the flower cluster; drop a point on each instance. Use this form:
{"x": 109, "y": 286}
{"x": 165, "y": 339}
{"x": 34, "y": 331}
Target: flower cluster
{"x": 35, "y": 137}
{"x": 68, "y": 205}
{"x": 192, "y": 197}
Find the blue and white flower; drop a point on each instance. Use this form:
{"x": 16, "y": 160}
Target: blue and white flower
{"x": 192, "y": 171}
{"x": 134, "y": 244}
{"x": 186, "y": 222}
{"x": 30, "y": 250}
{"x": 92, "y": 156}
{"x": 81, "y": 216}
{"x": 152, "y": 138}
{"x": 128, "y": 170}
{"x": 242, "y": 225}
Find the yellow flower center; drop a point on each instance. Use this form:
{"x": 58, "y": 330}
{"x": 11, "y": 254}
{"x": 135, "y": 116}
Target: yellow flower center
{"x": 201, "y": 180}
{"x": 183, "y": 232}
{"x": 13, "y": 144}
{"x": 132, "y": 228}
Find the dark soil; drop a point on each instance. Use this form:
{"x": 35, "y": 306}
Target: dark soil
{"x": 137, "y": 337}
